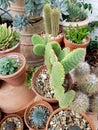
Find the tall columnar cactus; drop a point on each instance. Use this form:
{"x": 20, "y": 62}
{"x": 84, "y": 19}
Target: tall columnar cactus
{"x": 51, "y": 20}
{"x": 94, "y": 104}
{"x": 90, "y": 84}
{"x": 47, "y": 18}
{"x": 55, "y": 19}
{"x": 81, "y": 102}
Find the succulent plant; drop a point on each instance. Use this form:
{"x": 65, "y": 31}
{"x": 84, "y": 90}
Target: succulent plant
{"x": 74, "y": 127}
{"x": 10, "y": 126}
{"x": 39, "y": 117}
{"x": 94, "y": 104}
{"x": 51, "y": 20}
{"x": 81, "y": 71}
{"x": 80, "y": 103}
{"x": 8, "y": 65}
{"x": 90, "y": 84}
{"x": 76, "y": 34}
{"x": 59, "y": 62}
{"x": 20, "y": 21}
{"x": 5, "y": 3}
{"x": 8, "y": 37}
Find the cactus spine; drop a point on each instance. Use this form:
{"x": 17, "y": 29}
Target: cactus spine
{"x": 55, "y": 16}
{"x": 94, "y": 104}
{"x": 90, "y": 84}
{"x": 81, "y": 102}
{"x": 47, "y": 18}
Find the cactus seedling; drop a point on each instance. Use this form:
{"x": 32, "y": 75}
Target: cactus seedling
{"x": 81, "y": 102}
{"x": 94, "y": 104}
{"x": 90, "y": 84}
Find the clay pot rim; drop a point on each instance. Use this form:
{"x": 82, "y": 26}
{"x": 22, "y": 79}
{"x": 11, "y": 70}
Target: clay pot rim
{"x": 51, "y": 100}
{"x": 69, "y": 108}
{"x": 21, "y": 56}
{"x": 79, "y": 23}
{"x": 10, "y": 49}
{"x": 12, "y": 115}
{"x": 37, "y": 103}
{"x": 81, "y": 44}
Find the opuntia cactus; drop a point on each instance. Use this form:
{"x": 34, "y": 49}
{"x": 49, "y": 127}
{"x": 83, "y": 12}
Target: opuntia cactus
{"x": 55, "y": 19}
{"x": 90, "y": 84}
{"x": 80, "y": 103}
{"x": 94, "y": 104}
{"x": 47, "y": 18}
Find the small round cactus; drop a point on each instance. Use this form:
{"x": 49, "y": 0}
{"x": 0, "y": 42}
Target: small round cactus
{"x": 90, "y": 84}
{"x": 81, "y": 71}
{"x": 74, "y": 127}
{"x": 94, "y": 104}
{"x": 81, "y": 102}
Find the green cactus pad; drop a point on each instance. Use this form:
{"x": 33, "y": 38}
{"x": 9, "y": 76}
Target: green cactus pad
{"x": 57, "y": 74}
{"x": 53, "y": 57}
{"x": 72, "y": 59}
{"x": 37, "y": 51}
{"x": 56, "y": 47}
{"x": 37, "y": 39}
{"x": 66, "y": 99}
{"x": 63, "y": 53}
{"x": 58, "y": 91}
{"x": 47, "y": 18}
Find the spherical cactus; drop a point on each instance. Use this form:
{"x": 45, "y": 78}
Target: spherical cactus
{"x": 81, "y": 71}
{"x": 74, "y": 127}
{"x": 90, "y": 84}
{"x": 81, "y": 102}
{"x": 94, "y": 104}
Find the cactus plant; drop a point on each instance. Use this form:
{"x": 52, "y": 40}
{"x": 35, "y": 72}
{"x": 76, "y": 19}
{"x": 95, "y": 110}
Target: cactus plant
{"x": 59, "y": 62}
{"x": 8, "y": 65}
{"x": 8, "y": 37}
{"x": 90, "y": 84}
{"x": 80, "y": 103}
{"x": 94, "y": 104}
{"x": 74, "y": 127}
{"x": 51, "y": 20}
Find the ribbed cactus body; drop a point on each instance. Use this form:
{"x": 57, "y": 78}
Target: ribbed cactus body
{"x": 81, "y": 102}
{"x": 72, "y": 59}
{"x": 55, "y": 18}
{"x": 90, "y": 84}
{"x": 94, "y": 104}
{"x": 47, "y": 18}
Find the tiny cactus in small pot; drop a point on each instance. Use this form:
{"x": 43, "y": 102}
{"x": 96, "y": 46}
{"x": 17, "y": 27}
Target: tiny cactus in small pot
{"x": 80, "y": 103}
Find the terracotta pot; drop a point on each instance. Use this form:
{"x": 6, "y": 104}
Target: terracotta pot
{"x": 15, "y": 99}
{"x": 94, "y": 118}
{"x": 17, "y": 8}
{"x": 19, "y": 76}
{"x": 65, "y": 109}
{"x": 12, "y": 116}
{"x": 15, "y": 48}
{"x": 73, "y": 46}
{"x": 74, "y": 24}
{"x": 26, "y": 45}
{"x": 26, "y": 114}
{"x": 50, "y": 100}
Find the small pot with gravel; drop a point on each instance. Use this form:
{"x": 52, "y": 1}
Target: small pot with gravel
{"x": 68, "y": 119}
{"x": 11, "y": 122}
{"x": 37, "y": 114}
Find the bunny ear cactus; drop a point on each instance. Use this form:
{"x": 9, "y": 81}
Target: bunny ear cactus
{"x": 71, "y": 60}
{"x": 55, "y": 18}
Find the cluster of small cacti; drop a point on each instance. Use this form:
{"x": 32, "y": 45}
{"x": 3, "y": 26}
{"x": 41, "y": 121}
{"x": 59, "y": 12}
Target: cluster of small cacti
{"x": 8, "y": 37}
{"x": 58, "y": 62}
{"x": 51, "y": 19}
{"x": 81, "y": 102}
